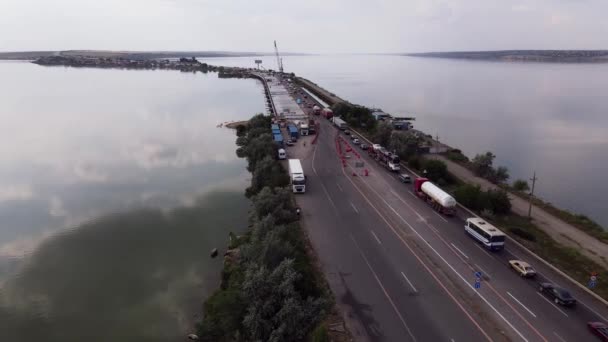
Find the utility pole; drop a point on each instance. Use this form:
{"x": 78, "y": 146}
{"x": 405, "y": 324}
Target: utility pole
{"x": 533, "y": 179}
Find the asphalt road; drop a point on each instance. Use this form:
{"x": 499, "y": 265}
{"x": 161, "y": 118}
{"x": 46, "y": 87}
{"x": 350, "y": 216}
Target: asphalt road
{"x": 402, "y": 272}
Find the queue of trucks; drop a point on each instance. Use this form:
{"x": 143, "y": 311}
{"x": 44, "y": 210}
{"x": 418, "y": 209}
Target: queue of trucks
{"x": 386, "y": 158}
{"x": 423, "y": 188}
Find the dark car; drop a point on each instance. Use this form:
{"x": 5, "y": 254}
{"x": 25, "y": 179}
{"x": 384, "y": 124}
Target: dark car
{"x": 364, "y": 146}
{"x": 347, "y": 132}
{"x": 599, "y": 329}
{"x": 557, "y": 294}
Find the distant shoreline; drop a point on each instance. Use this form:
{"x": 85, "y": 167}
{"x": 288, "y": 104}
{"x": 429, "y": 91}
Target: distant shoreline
{"x": 539, "y": 56}
{"x": 138, "y": 55}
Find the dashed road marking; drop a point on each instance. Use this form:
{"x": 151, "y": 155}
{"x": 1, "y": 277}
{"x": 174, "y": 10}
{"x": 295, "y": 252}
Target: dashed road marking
{"x": 522, "y": 305}
{"x": 354, "y": 208}
{"x": 550, "y": 302}
{"x": 409, "y": 282}
{"x": 458, "y": 249}
{"x": 376, "y": 236}
{"x": 559, "y": 337}
{"x": 390, "y": 300}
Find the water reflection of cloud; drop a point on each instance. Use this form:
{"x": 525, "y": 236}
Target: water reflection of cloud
{"x": 16, "y": 193}
{"x": 89, "y": 172}
{"x": 56, "y": 208}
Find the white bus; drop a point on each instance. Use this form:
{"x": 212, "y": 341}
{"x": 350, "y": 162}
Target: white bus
{"x": 487, "y": 234}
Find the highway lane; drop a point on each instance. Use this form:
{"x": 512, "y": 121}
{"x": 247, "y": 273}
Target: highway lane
{"x": 387, "y": 293}
{"x": 516, "y": 296}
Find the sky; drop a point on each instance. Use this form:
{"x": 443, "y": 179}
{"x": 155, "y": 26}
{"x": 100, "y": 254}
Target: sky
{"x": 308, "y": 26}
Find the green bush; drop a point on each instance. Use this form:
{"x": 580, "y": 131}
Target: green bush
{"x": 435, "y": 169}
{"x": 320, "y": 334}
{"x": 523, "y": 234}
{"x": 521, "y": 185}
{"x": 414, "y": 162}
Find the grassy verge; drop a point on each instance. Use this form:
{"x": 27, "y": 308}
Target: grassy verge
{"x": 567, "y": 259}
{"x": 579, "y": 221}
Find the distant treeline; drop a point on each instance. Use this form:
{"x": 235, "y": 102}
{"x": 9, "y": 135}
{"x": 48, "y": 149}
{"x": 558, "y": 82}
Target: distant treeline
{"x": 564, "y": 56}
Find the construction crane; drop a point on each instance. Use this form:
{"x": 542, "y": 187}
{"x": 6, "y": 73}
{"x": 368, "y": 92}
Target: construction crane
{"x": 279, "y": 59}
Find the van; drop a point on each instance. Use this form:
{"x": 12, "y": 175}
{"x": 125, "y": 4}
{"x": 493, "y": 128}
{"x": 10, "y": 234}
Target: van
{"x": 282, "y": 154}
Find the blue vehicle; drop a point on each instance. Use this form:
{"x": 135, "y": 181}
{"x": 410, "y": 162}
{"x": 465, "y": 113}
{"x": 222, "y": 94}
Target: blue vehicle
{"x": 293, "y": 132}
{"x": 278, "y": 139}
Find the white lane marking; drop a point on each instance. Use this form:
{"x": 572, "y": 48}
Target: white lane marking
{"x": 339, "y": 187}
{"x": 383, "y": 289}
{"x": 411, "y": 193}
{"x": 522, "y": 305}
{"x": 355, "y": 208}
{"x": 483, "y": 250}
{"x": 400, "y": 237}
{"x": 437, "y": 253}
{"x": 374, "y": 234}
{"x": 560, "y": 338}
{"x": 458, "y": 249}
{"x": 552, "y": 304}
{"x": 590, "y": 309}
{"x": 409, "y": 282}
{"x": 454, "y": 270}
{"x": 434, "y": 229}
{"x": 441, "y": 217}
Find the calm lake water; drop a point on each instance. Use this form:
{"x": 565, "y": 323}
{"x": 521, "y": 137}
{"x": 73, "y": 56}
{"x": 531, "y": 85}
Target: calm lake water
{"x": 114, "y": 187}
{"x": 552, "y": 118}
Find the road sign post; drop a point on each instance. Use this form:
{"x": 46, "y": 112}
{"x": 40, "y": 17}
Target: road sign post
{"x": 477, "y": 280}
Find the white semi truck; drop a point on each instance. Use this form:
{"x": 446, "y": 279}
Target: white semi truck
{"x": 296, "y": 176}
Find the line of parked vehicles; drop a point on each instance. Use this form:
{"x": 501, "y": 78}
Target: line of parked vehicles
{"x": 483, "y": 232}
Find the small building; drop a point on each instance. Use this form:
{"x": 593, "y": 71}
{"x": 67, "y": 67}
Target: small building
{"x": 380, "y": 115}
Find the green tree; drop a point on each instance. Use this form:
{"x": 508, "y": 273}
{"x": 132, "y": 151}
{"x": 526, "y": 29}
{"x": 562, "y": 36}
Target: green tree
{"x": 277, "y": 202}
{"x": 414, "y": 162}
{"x": 497, "y": 201}
{"x": 482, "y": 164}
{"x": 436, "y": 170}
{"x": 384, "y": 130}
{"x": 521, "y": 185}
{"x": 470, "y": 196}
{"x": 501, "y": 175}
{"x": 241, "y": 130}
{"x": 276, "y": 312}
{"x": 405, "y": 143}
{"x": 267, "y": 173}
{"x": 260, "y": 121}
{"x": 258, "y": 148}
{"x": 223, "y": 313}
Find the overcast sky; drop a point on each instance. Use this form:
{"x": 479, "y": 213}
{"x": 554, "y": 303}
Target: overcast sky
{"x": 324, "y": 26}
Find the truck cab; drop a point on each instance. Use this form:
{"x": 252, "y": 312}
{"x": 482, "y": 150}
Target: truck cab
{"x": 282, "y": 154}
